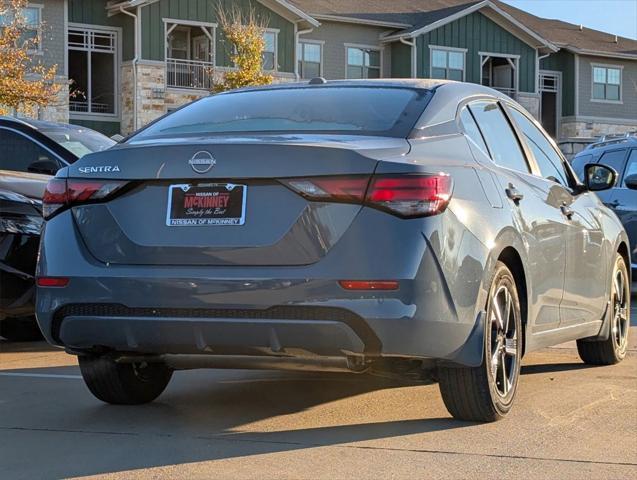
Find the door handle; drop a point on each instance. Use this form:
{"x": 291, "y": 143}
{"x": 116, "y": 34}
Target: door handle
{"x": 613, "y": 204}
{"x": 514, "y": 194}
{"x": 567, "y": 211}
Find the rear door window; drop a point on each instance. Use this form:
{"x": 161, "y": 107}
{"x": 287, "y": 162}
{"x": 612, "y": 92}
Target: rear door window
{"x": 503, "y": 144}
{"x": 548, "y": 160}
{"x": 18, "y": 151}
{"x": 471, "y": 129}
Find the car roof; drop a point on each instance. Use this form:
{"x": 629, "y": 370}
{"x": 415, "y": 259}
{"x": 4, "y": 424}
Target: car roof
{"x": 610, "y": 142}
{"x": 460, "y": 89}
{"x": 40, "y": 125}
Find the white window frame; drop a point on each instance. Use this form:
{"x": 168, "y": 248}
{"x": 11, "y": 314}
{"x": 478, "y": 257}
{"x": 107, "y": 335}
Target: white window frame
{"x": 514, "y": 61}
{"x": 621, "y": 82}
{"x": 38, "y": 29}
{"x": 447, "y": 50}
{"x": 204, "y": 26}
{"x": 117, "y": 48}
{"x": 275, "y": 32}
{"x": 299, "y": 55}
{"x": 359, "y": 46}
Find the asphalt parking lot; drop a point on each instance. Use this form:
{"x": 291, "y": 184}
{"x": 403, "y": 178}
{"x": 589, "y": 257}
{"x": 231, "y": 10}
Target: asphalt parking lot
{"x": 570, "y": 421}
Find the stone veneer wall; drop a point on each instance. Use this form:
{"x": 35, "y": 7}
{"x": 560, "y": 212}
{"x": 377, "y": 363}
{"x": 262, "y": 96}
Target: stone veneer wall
{"x": 58, "y": 111}
{"x": 577, "y": 129}
{"x": 531, "y": 102}
{"x": 154, "y": 99}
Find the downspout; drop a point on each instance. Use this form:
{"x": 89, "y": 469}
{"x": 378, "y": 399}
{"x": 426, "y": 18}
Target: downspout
{"x": 537, "y": 78}
{"x": 136, "y": 19}
{"x": 298, "y": 33}
{"x": 414, "y": 55}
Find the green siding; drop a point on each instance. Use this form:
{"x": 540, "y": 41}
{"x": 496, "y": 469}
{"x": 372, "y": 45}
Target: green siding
{"x": 400, "y": 60}
{"x": 107, "y": 128}
{"x": 153, "y": 46}
{"x": 93, "y": 12}
{"x": 477, "y": 33}
{"x": 564, "y": 62}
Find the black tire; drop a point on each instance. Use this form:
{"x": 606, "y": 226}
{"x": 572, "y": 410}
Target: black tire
{"x": 124, "y": 383}
{"x": 23, "y": 329}
{"x": 613, "y": 349}
{"x": 484, "y": 393}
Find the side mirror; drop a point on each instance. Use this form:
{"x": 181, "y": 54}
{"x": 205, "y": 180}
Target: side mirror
{"x": 599, "y": 177}
{"x": 631, "y": 181}
{"x": 44, "y": 166}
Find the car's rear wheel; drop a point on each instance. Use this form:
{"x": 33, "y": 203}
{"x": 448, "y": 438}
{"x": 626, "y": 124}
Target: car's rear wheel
{"x": 486, "y": 393}
{"x": 124, "y": 383}
{"x": 613, "y": 349}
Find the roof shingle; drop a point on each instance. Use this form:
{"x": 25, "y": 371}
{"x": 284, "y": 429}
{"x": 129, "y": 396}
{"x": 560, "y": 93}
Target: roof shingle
{"x": 420, "y": 13}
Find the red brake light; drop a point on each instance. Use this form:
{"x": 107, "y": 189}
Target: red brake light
{"x": 411, "y": 195}
{"x": 408, "y": 195}
{"x": 61, "y": 193}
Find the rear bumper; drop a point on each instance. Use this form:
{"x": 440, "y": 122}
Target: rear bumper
{"x": 280, "y": 330}
{"x": 192, "y": 310}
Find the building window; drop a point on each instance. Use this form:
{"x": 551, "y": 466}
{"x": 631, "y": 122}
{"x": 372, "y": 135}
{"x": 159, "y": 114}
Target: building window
{"x": 93, "y": 70}
{"x": 32, "y": 18}
{"x": 447, "y": 64}
{"x": 189, "y": 54}
{"x": 269, "y": 52}
{"x": 310, "y": 56}
{"x": 607, "y": 83}
{"x": 363, "y": 62}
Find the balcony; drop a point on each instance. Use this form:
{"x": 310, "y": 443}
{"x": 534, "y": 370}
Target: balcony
{"x": 193, "y": 74}
{"x": 511, "y": 92}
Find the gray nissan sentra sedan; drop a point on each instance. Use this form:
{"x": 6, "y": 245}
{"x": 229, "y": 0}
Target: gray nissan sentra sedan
{"x": 428, "y": 228}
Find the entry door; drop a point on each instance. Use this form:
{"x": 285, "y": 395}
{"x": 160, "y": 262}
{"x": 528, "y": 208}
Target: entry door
{"x": 550, "y": 98}
{"x": 201, "y": 48}
{"x": 503, "y": 76}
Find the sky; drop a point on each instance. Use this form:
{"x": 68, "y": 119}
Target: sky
{"x": 618, "y": 17}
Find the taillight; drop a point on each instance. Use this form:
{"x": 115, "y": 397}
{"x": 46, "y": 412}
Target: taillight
{"x": 408, "y": 195}
{"x": 61, "y": 193}
{"x": 334, "y": 189}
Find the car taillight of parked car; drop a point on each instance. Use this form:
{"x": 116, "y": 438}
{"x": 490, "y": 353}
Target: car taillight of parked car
{"x": 406, "y": 195}
{"x": 61, "y": 193}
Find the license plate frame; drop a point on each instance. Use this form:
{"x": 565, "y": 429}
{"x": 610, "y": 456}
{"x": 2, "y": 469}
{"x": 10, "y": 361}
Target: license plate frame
{"x": 206, "y": 205}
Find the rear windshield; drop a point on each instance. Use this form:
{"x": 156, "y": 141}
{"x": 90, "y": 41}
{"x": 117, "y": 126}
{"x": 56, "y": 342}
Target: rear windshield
{"x": 387, "y": 111}
{"x": 80, "y": 141}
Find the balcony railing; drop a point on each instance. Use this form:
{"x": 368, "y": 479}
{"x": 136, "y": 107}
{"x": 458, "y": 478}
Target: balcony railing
{"x": 189, "y": 74}
{"x": 511, "y": 92}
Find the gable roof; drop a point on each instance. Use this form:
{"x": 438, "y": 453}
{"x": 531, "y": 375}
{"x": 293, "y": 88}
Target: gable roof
{"x": 283, "y": 7}
{"x": 418, "y": 16}
{"x": 408, "y": 13}
{"x": 571, "y": 37}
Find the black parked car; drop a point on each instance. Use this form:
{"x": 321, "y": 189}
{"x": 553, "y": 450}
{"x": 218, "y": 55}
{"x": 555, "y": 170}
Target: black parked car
{"x": 621, "y": 154}
{"x": 30, "y": 152}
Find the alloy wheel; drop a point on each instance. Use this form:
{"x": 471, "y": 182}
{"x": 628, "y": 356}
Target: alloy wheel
{"x": 504, "y": 341}
{"x": 620, "y": 301}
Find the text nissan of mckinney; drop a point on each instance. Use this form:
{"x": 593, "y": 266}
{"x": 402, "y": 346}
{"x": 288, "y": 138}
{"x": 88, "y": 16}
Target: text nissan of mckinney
{"x": 426, "y": 227}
